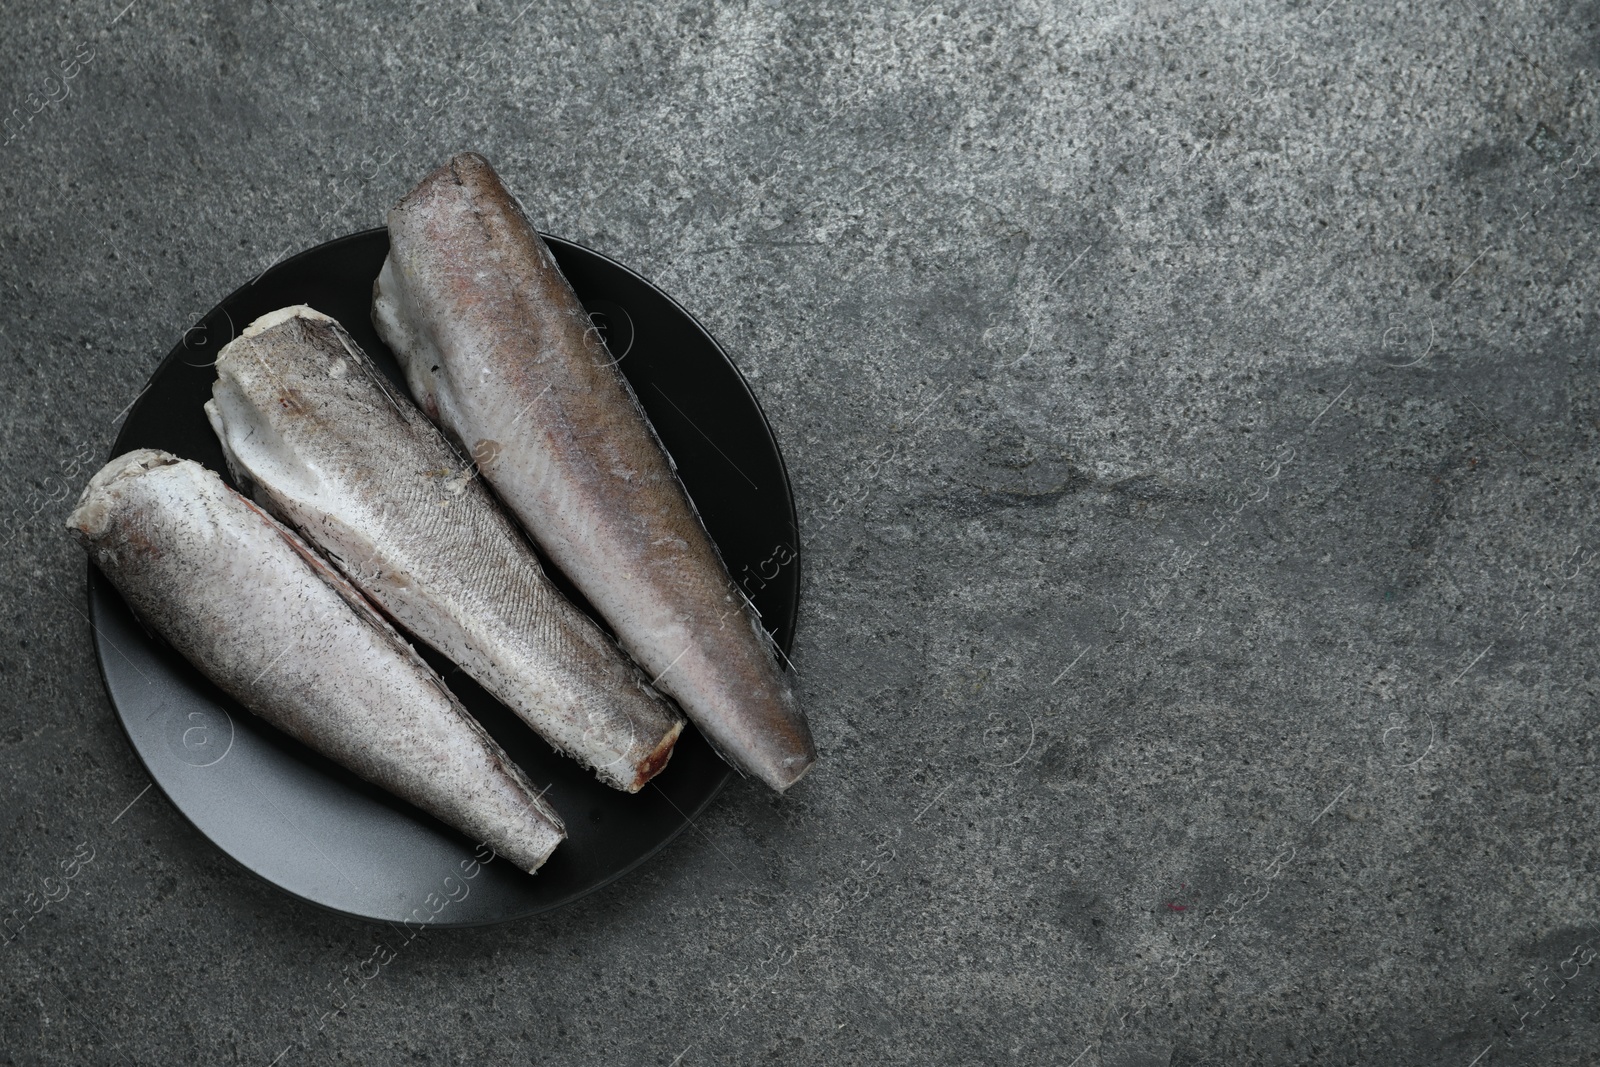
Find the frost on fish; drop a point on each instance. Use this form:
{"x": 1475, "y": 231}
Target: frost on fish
{"x": 254, "y": 609}
{"x": 497, "y": 348}
{"x": 308, "y": 420}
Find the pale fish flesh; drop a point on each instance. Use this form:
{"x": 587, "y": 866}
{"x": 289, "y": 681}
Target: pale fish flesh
{"x": 255, "y": 610}
{"x": 498, "y": 351}
{"x": 307, "y": 419}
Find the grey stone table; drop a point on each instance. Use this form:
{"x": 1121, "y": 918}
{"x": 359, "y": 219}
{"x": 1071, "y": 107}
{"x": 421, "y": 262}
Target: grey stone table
{"x": 1193, "y": 413}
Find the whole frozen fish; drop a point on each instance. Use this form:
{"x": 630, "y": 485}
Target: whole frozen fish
{"x": 498, "y": 351}
{"x": 307, "y": 419}
{"x": 256, "y": 611}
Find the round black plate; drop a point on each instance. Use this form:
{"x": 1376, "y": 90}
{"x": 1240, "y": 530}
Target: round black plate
{"x": 317, "y": 831}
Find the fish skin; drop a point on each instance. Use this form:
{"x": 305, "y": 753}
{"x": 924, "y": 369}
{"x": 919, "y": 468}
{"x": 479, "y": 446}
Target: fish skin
{"x": 310, "y": 422}
{"x": 255, "y": 610}
{"x": 498, "y": 351}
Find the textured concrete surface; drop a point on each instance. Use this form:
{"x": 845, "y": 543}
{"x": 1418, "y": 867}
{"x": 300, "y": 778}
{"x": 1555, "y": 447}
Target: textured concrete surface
{"x": 1193, "y": 412}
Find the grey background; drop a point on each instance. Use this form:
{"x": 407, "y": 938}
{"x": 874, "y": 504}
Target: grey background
{"x": 1192, "y": 411}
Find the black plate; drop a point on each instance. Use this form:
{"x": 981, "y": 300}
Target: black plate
{"x": 317, "y": 831}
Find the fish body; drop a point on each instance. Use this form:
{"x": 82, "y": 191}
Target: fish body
{"x": 308, "y": 420}
{"x": 255, "y": 610}
{"x": 499, "y": 352}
